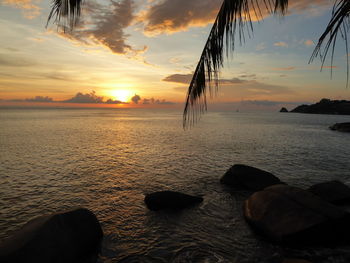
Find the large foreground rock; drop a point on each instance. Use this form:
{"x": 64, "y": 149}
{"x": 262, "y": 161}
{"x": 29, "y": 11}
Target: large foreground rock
{"x": 334, "y": 192}
{"x": 342, "y": 127}
{"x": 70, "y": 237}
{"x": 248, "y": 178}
{"x": 170, "y": 200}
{"x": 286, "y": 214}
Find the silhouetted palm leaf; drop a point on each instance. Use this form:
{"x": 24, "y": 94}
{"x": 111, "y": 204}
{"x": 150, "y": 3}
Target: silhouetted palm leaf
{"x": 233, "y": 17}
{"x": 66, "y": 13}
{"x": 339, "y": 24}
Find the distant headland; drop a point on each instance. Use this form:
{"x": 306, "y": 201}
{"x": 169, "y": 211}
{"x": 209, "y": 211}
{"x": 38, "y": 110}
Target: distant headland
{"x": 325, "y": 106}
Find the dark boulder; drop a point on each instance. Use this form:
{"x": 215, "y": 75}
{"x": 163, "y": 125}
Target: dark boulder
{"x": 248, "y": 178}
{"x": 334, "y": 192}
{"x": 283, "y": 109}
{"x": 69, "y": 237}
{"x": 170, "y": 200}
{"x": 342, "y": 127}
{"x": 293, "y": 216}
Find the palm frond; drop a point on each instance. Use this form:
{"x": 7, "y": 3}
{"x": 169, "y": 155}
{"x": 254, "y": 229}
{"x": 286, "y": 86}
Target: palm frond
{"x": 65, "y": 13}
{"x": 338, "y": 25}
{"x": 235, "y": 16}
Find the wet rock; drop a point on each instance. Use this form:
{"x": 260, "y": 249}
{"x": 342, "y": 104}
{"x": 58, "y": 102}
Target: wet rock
{"x": 290, "y": 215}
{"x": 334, "y": 192}
{"x": 283, "y": 110}
{"x": 170, "y": 200}
{"x": 248, "y": 178}
{"x": 69, "y": 237}
{"x": 342, "y": 127}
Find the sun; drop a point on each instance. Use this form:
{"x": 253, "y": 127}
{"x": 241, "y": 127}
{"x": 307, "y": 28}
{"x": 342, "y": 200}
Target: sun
{"x": 121, "y": 95}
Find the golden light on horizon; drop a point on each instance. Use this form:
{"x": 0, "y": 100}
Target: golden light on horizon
{"x": 122, "y": 95}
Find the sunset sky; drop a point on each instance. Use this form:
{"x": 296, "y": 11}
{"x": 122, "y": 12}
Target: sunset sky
{"x": 150, "y": 48}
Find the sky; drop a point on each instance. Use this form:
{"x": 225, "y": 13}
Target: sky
{"x": 143, "y": 52}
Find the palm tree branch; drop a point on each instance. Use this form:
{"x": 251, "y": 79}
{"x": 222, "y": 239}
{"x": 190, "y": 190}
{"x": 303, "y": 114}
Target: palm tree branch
{"x": 233, "y": 18}
{"x": 339, "y": 23}
{"x": 65, "y": 13}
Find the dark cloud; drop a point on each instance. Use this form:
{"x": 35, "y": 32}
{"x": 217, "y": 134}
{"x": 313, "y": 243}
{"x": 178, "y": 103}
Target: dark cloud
{"x": 179, "y": 78}
{"x": 157, "y": 101}
{"x": 85, "y": 98}
{"x": 135, "y": 99}
{"x": 250, "y": 76}
{"x": 40, "y": 99}
{"x": 169, "y": 16}
{"x": 176, "y": 15}
{"x": 106, "y": 26}
{"x": 110, "y": 101}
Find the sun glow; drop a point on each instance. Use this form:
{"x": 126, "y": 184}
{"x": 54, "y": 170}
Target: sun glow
{"x": 122, "y": 95}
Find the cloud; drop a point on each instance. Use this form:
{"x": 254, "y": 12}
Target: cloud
{"x": 309, "y": 43}
{"x": 284, "y": 69}
{"x": 179, "y": 78}
{"x": 85, "y": 98}
{"x": 280, "y": 44}
{"x": 170, "y": 16}
{"x": 270, "y": 103}
{"x": 15, "y": 61}
{"x": 40, "y": 99}
{"x": 260, "y": 47}
{"x": 106, "y": 27}
{"x": 156, "y": 101}
{"x": 135, "y": 99}
{"x": 30, "y": 10}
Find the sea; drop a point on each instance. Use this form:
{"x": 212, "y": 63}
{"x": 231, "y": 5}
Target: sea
{"x": 107, "y": 160}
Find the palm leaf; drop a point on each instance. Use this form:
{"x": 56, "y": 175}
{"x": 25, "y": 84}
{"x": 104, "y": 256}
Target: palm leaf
{"x": 65, "y": 13}
{"x": 338, "y": 25}
{"x": 234, "y": 17}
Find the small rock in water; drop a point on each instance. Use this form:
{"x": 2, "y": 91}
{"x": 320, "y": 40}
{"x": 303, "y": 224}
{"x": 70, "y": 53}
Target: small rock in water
{"x": 170, "y": 200}
{"x": 69, "y": 237}
{"x": 333, "y": 191}
{"x": 342, "y": 127}
{"x": 248, "y": 178}
{"x": 283, "y": 110}
{"x": 286, "y": 214}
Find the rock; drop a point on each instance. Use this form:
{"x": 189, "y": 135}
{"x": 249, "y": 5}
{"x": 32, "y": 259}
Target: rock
{"x": 283, "y": 110}
{"x": 295, "y": 260}
{"x": 170, "y": 200}
{"x": 69, "y": 237}
{"x": 325, "y": 106}
{"x": 248, "y": 178}
{"x": 293, "y": 216}
{"x": 334, "y": 192}
{"x": 342, "y": 127}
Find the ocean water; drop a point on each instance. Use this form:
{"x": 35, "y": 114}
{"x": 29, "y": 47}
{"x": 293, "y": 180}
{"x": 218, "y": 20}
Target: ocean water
{"x": 108, "y": 159}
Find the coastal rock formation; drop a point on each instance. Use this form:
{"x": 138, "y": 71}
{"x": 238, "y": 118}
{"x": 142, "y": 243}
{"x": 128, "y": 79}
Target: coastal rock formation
{"x": 290, "y": 215}
{"x": 334, "y": 192}
{"x": 248, "y": 178}
{"x": 283, "y": 110}
{"x": 69, "y": 237}
{"x": 342, "y": 127}
{"x": 170, "y": 200}
{"x": 326, "y": 106}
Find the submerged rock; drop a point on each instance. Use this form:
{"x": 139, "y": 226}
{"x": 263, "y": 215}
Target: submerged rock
{"x": 334, "y": 192}
{"x": 342, "y": 127}
{"x": 69, "y": 237}
{"x": 290, "y": 215}
{"x": 170, "y": 200}
{"x": 248, "y": 178}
